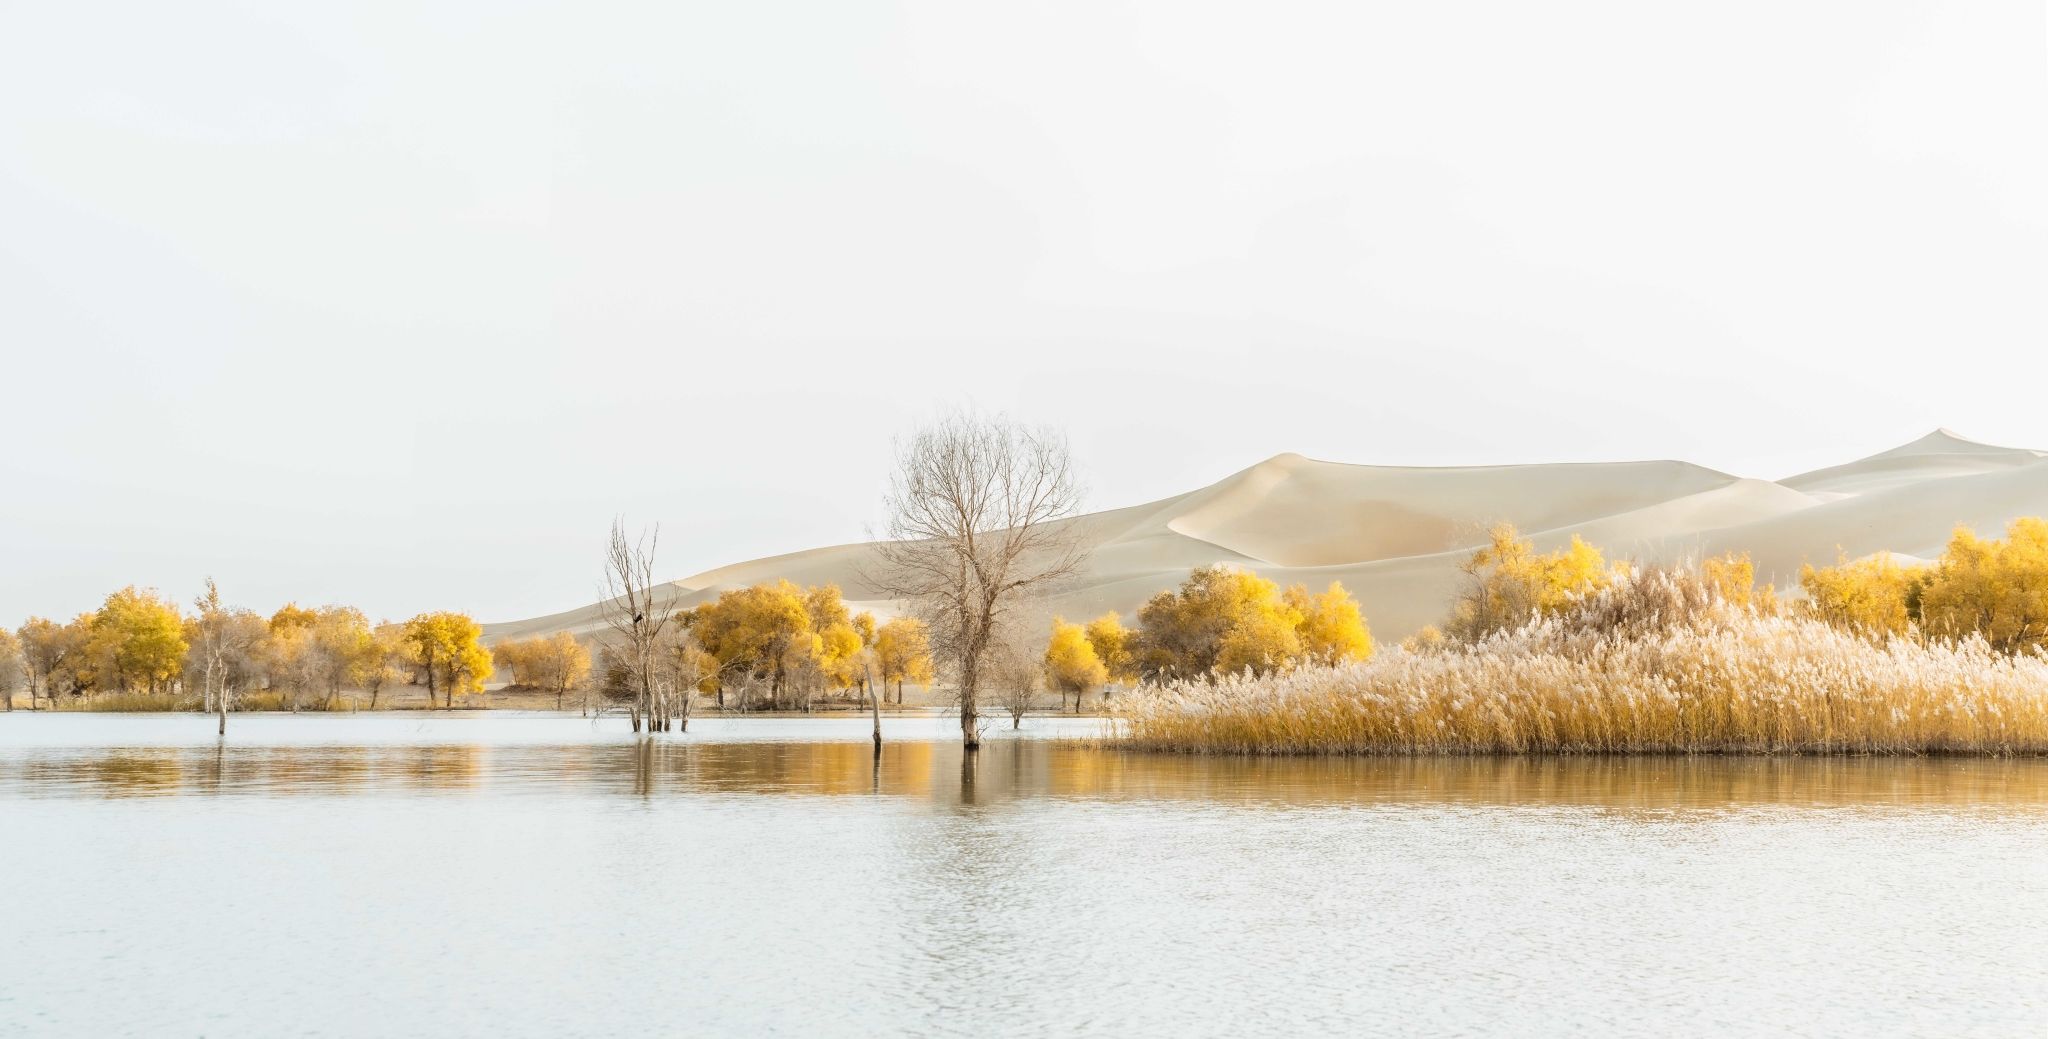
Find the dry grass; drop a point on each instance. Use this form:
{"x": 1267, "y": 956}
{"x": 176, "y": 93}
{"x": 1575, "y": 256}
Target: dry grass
{"x": 139, "y": 702}
{"x": 1659, "y": 664}
{"x": 128, "y": 703}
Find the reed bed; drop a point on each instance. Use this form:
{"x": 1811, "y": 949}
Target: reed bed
{"x": 143, "y": 701}
{"x": 136, "y": 702}
{"x": 1640, "y": 669}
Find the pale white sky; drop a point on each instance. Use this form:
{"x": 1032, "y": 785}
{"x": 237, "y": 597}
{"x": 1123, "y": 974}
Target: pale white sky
{"x": 398, "y": 304}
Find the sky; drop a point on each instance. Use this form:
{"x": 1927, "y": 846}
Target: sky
{"x": 399, "y": 304}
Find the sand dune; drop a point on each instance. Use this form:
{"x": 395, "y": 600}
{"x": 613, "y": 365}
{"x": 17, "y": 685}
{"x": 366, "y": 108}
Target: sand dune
{"x": 1395, "y": 535}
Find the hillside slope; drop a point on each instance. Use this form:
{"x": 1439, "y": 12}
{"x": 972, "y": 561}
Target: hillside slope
{"x": 1395, "y": 535}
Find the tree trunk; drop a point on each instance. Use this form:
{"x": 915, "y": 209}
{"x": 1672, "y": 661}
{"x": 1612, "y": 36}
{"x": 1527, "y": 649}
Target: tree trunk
{"x": 640, "y": 690}
{"x": 970, "y": 732}
{"x": 874, "y": 708}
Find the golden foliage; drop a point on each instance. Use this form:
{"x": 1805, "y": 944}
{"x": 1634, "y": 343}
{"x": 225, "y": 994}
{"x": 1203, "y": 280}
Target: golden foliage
{"x": 1332, "y": 628}
{"x": 445, "y": 643}
{"x": 1222, "y": 621}
{"x": 10, "y": 666}
{"x": 1070, "y": 660}
{"x": 554, "y": 663}
{"x": 136, "y": 641}
{"x": 1112, "y": 644}
{"x": 1996, "y": 589}
{"x": 903, "y": 652}
{"x": 1874, "y": 595}
{"x": 292, "y": 616}
{"x": 1513, "y": 584}
{"x": 758, "y": 631}
{"x": 786, "y": 636}
{"x": 1601, "y": 677}
{"x": 1427, "y": 640}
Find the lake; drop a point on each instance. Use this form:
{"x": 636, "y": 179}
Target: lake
{"x": 435, "y": 874}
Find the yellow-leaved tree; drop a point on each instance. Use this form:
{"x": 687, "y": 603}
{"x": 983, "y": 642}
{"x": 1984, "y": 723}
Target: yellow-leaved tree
{"x": 1733, "y": 576}
{"x": 137, "y": 641}
{"x": 795, "y": 641}
{"x": 903, "y": 653}
{"x": 1997, "y": 589}
{"x": 836, "y": 646}
{"x": 291, "y": 615}
{"x": 1071, "y": 663}
{"x": 1874, "y": 595}
{"x": 1112, "y": 642}
{"x": 445, "y": 645}
{"x": 1225, "y": 621}
{"x": 549, "y": 663}
{"x": 1182, "y": 632}
{"x": 1511, "y": 584}
{"x": 1332, "y": 628}
{"x": 11, "y": 670}
{"x": 757, "y": 635}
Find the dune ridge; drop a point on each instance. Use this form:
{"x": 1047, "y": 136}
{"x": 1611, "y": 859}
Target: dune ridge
{"x": 1395, "y": 534}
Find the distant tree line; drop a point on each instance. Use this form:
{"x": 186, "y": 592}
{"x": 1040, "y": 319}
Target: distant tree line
{"x": 140, "y": 650}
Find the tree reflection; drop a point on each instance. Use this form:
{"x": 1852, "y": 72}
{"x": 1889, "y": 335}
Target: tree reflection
{"x": 1011, "y": 770}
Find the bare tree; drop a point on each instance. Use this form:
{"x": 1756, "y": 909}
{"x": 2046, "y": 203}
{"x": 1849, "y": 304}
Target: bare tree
{"x": 638, "y": 611}
{"x": 1015, "y": 674}
{"x": 222, "y": 641}
{"x": 973, "y": 527}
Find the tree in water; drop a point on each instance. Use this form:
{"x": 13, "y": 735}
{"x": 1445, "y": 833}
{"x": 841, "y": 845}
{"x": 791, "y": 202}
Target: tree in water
{"x": 974, "y": 526}
{"x": 639, "y": 611}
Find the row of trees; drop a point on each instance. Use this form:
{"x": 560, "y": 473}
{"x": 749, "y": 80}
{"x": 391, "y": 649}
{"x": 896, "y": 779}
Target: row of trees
{"x": 1979, "y": 586}
{"x": 1219, "y": 621}
{"x": 557, "y": 664}
{"x": 774, "y": 646}
{"x": 780, "y": 646}
{"x": 218, "y": 658}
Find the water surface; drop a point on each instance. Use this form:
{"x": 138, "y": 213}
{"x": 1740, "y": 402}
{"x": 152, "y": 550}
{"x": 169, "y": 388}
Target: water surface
{"x": 423, "y": 874}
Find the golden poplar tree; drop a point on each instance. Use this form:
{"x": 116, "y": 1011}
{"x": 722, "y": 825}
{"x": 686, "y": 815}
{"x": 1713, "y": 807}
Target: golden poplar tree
{"x": 1511, "y": 584}
{"x": 1332, "y": 628}
{"x": 137, "y": 640}
{"x": 1112, "y": 642}
{"x": 1874, "y": 595}
{"x": 903, "y": 653}
{"x": 1071, "y": 663}
{"x": 445, "y": 644}
{"x": 1996, "y": 589}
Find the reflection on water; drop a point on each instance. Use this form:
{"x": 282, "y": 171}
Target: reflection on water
{"x": 436, "y": 875}
{"x": 394, "y": 759}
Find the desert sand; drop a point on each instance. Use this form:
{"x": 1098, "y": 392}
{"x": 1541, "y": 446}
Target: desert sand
{"x": 1395, "y": 535}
